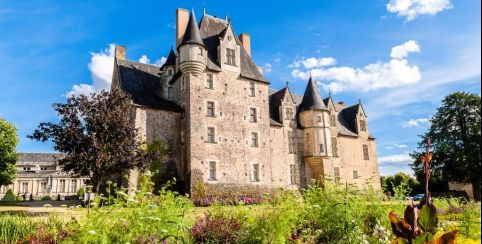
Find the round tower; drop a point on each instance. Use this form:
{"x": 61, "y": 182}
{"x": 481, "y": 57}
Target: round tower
{"x": 314, "y": 119}
{"x": 192, "y": 51}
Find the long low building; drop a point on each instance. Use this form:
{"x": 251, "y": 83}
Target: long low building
{"x": 40, "y": 175}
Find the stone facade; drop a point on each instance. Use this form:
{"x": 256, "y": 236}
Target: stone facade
{"x": 39, "y": 175}
{"x": 224, "y": 126}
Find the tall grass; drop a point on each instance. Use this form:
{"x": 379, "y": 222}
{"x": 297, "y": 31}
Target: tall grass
{"x": 15, "y": 228}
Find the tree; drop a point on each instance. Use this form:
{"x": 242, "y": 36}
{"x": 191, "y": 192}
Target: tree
{"x": 8, "y": 152}
{"x": 401, "y": 183}
{"x": 97, "y": 136}
{"x": 455, "y": 134}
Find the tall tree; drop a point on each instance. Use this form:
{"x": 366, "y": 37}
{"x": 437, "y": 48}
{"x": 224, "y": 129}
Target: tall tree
{"x": 455, "y": 134}
{"x": 8, "y": 152}
{"x": 97, "y": 136}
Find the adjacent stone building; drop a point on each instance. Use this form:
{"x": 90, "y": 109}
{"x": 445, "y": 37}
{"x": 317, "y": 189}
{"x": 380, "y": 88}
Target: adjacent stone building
{"x": 39, "y": 175}
{"x": 223, "y": 124}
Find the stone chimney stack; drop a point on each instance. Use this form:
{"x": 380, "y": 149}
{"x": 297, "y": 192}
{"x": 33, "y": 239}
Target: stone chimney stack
{"x": 120, "y": 52}
{"x": 246, "y": 41}
{"x": 182, "y": 17}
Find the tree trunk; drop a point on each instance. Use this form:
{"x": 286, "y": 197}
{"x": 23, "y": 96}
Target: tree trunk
{"x": 476, "y": 190}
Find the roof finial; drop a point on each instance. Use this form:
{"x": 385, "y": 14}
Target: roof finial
{"x": 359, "y": 101}
{"x": 329, "y": 93}
{"x": 204, "y": 11}
{"x": 287, "y": 83}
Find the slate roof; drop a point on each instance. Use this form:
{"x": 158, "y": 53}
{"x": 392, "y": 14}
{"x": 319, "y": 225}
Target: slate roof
{"x": 211, "y": 30}
{"x": 347, "y": 117}
{"x": 142, "y": 82}
{"x": 275, "y": 101}
{"x": 311, "y": 98}
{"x": 39, "y": 157}
{"x": 192, "y": 35}
{"x": 171, "y": 59}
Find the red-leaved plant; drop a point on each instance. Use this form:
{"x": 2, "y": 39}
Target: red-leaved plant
{"x": 419, "y": 223}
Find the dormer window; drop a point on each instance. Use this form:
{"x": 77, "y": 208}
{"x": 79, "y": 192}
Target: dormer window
{"x": 230, "y": 56}
{"x": 169, "y": 72}
{"x": 289, "y": 113}
{"x": 333, "y": 120}
{"x": 363, "y": 125}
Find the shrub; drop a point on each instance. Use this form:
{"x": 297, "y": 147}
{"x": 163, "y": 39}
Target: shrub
{"x": 140, "y": 218}
{"x": 15, "y": 228}
{"x": 46, "y": 198}
{"x": 81, "y": 192}
{"x": 9, "y": 196}
{"x": 216, "y": 229}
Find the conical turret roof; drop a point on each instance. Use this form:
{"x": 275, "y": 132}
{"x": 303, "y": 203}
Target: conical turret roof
{"x": 171, "y": 59}
{"x": 192, "y": 34}
{"x": 311, "y": 98}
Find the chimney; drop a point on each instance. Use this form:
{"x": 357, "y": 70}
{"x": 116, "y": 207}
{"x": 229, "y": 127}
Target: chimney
{"x": 182, "y": 17}
{"x": 246, "y": 41}
{"x": 120, "y": 52}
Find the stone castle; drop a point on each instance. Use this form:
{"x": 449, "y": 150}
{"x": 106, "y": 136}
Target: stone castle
{"x": 223, "y": 125}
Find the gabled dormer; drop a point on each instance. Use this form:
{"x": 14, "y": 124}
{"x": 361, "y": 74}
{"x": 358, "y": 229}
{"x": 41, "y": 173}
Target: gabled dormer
{"x": 362, "y": 125}
{"x": 229, "y": 50}
{"x": 330, "y": 105}
{"x": 168, "y": 68}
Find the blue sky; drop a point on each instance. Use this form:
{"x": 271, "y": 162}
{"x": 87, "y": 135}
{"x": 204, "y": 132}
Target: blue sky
{"x": 400, "y": 57}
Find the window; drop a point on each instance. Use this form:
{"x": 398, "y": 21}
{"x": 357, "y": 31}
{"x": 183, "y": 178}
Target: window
{"x": 336, "y": 174}
{"x": 252, "y": 115}
{"x": 169, "y": 92}
{"x": 355, "y": 174}
{"x": 210, "y": 81}
{"x": 182, "y": 137}
{"x": 230, "y": 56}
{"x": 210, "y": 109}
{"x": 252, "y": 89}
{"x": 24, "y": 187}
{"x": 43, "y": 187}
{"x": 292, "y": 174}
{"x": 43, "y": 168}
{"x": 363, "y": 125}
{"x": 322, "y": 148}
{"x": 289, "y": 113}
{"x": 73, "y": 186}
{"x": 26, "y": 168}
{"x": 254, "y": 139}
{"x": 212, "y": 170}
{"x": 318, "y": 118}
{"x": 62, "y": 186}
{"x": 184, "y": 81}
{"x": 291, "y": 142}
{"x": 333, "y": 120}
{"x": 211, "y": 135}
{"x": 200, "y": 51}
{"x": 365, "y": 152}
{"x": 334, "y": 147}
{"x": 256, "y": 172}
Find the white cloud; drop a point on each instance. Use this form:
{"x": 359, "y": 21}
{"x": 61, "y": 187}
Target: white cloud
{"x": 411, "y": 9}
{"x": 144, "y": 59}
{"x": 396, "y": 146}
{"x": 101, "y": 67}
{"x": 396, "y": 159}
{"x": 395, "y": 73}
{"x": 160, "y": 62}
{"x": 313, "y": 62}
{"x": 415, "y": 122}
{"x": 266, "y": 68}
{"x": 402, "y": 51}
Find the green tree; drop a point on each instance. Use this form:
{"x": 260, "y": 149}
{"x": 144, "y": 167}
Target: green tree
{"x": 97, "y": 136}
{"x": 400, "y": 183}
{"x": 8, "y": 152}
{"x": 455, "y": 135}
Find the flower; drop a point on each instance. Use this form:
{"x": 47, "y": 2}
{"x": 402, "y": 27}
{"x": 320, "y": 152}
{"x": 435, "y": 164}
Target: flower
{"x": 92, "y": 232}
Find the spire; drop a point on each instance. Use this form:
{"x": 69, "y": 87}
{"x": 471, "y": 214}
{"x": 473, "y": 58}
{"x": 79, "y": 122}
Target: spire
{"x": 311, "y": 98}
{"x": 192, "y": 35}
{"x": 171, "y": 59}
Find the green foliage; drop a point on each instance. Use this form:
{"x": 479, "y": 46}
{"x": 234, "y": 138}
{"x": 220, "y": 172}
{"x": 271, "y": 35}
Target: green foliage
{"x": 400, "y": 185}
{"x": 14, "y": 228}
{"x": 81, "y": 192}
{"x": 22, "y": 229}
{"x": 46, "y": 198}
{"x": 455, "y": 133}
{"x": 8, "y": 153}
{"x": 140, "y": 218}
{"x": 9, "y": 196}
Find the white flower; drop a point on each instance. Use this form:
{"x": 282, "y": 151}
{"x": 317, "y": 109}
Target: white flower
{"x": 92, "y": 232}
{"x": 164, "y": 231}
